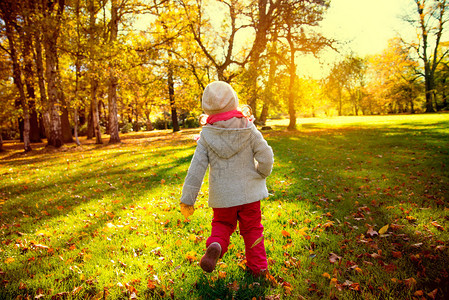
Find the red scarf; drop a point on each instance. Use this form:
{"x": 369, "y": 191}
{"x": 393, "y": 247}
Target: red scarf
{"x": 224, "y": 116}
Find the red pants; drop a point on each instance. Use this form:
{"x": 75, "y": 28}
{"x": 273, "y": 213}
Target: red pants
{"x": 249, "y": 216}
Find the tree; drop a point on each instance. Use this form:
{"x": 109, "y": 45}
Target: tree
{"x": 355, "y": 81}
{"x": 9, "y": 10}
{"x": 432, "y": 18}
{"x": 392, "y": 79}
{"x": 333, "y": 85}
{"x": 50, "y": 13}
{"x": 201, "y": 28}
{"x": 94, "y": 68}
{"x": 297, "y": 19}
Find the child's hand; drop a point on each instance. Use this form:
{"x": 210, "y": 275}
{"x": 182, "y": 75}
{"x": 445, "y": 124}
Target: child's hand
{"x": 187, "y": 210}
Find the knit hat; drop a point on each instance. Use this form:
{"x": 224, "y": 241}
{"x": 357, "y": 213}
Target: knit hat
{"x": 219, "y": 97}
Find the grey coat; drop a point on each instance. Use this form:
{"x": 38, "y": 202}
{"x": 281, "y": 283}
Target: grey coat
{"x": 239, "y": 159}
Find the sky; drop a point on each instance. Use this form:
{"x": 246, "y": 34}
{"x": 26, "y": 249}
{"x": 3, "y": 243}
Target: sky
{"x": 365, "y": 26}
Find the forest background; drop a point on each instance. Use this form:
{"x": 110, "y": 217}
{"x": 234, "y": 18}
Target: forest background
{"x": 94, "y": 67}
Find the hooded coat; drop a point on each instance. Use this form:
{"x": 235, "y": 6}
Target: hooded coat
{"x": 239, "y": 158}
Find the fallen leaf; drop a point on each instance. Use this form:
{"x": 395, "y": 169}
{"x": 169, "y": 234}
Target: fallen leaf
{"x": 333, "y": 258}
{"x": 257, "y": 242}
{"x": 285, "y": 233}
{"x": 384, "y": 229}
{"x": 432, "y": 294}
{"x": 396, "y": 254}
{"x": 438, "y": 226}
{"x": 419, "y": 293}
{"x": 410, "y": 282}
{"x": 411, "y": 218}
{"x": 371, "y": 232}
{"x": 326, "y": 275}
{"x": 10, "y": 260}
{"x": 234, "y": 286}
{"x": 76, "y": 290}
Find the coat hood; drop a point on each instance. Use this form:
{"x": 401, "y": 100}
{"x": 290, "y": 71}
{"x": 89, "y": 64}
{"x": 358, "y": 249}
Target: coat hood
{"x": 226, "y": 142}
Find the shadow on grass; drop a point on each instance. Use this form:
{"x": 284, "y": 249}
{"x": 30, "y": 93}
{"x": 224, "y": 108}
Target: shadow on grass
{"x": 231, "y": 287}
{"x": 360, "y": 179}
{"x": 92, "y": 190}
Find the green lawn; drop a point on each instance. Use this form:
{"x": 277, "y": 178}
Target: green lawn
{"x": 358, "y": 209}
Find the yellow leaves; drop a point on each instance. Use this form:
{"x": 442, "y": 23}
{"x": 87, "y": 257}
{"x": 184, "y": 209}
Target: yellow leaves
{"x": 411, "y": 218}
{"x": 191, "y": 256}
{"x": 325, "y": 274}
{"x": 328, "y": 224}
{"x": 285, "y": 233}
{"x": 10, "y": 260}
{"x": 44, "y": 233}
{"x": 384, "y": 229}
{"x": 187, "y": 210}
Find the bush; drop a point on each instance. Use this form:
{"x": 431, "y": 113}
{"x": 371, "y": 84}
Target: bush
{"x": 191, "y": 122}
{"x": 160, "y": 124}
{"x": 126, "y": 127}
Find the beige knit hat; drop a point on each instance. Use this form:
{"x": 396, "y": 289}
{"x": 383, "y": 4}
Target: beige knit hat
{"x": 219, "y": 97}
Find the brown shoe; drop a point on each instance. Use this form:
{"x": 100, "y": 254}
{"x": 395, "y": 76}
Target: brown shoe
{"x": 209, "y": 260}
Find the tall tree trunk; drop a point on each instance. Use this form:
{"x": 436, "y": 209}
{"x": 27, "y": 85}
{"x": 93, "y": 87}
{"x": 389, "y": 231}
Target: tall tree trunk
{"x": 29, "y": 80}
{"x": 291, "y": 90}
{"x": 266, "y": 10}
{"x": 171, "y": 94}
{"x": 113, "y": 81}
{"x": 7, "y": 12}
{"x": 75, "y": 109}
{"x": 41, "y": 81}
{"x": 93, "y": 69}
{"x": 429, "y": 91}
{"x": 77, "y": 73}
{"x": 269, "y": 94}
{"x": 65, "y": 122}
{"x": 95, "y": 113}
{"x": 55, "y": 138}
{"x": 52, "y": 21}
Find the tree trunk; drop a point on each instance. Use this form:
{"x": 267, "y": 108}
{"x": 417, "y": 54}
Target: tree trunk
{"x": 90, "y": 123}
{"x": 171, "y": 94}
{"x": 55, "y": 138}
{"x": 264, "y": 114}
{"x": 51, "y": 35}
{"x": 95, "y": 121}
{"x": 429, "y": 91}
{"x": 95, "y": 113}
{"x": 41, "y": 81}
{"x": 113, "y": 81}
{"x": 291, "y": 91}
{"x": 29, "y": 82}
{"x": 65, "y": 122}
{"x": 7, "y": 13}
{"x": 260, "y": 43}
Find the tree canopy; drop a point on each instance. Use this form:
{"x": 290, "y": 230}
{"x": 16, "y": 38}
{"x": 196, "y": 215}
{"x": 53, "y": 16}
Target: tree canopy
{"x": 95, "y": 67}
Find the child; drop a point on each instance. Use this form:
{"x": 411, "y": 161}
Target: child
{"x": 240, "y": 160}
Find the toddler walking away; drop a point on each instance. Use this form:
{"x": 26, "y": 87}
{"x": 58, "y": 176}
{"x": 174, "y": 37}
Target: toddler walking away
{"x": 240, "y": 160}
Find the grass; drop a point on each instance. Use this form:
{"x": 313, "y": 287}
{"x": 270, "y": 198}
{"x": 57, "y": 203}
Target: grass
{"x": 102, "y": 221}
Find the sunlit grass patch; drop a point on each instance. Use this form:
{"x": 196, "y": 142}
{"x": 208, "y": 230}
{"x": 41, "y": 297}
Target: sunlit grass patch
{"x": 104, "y": 222}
